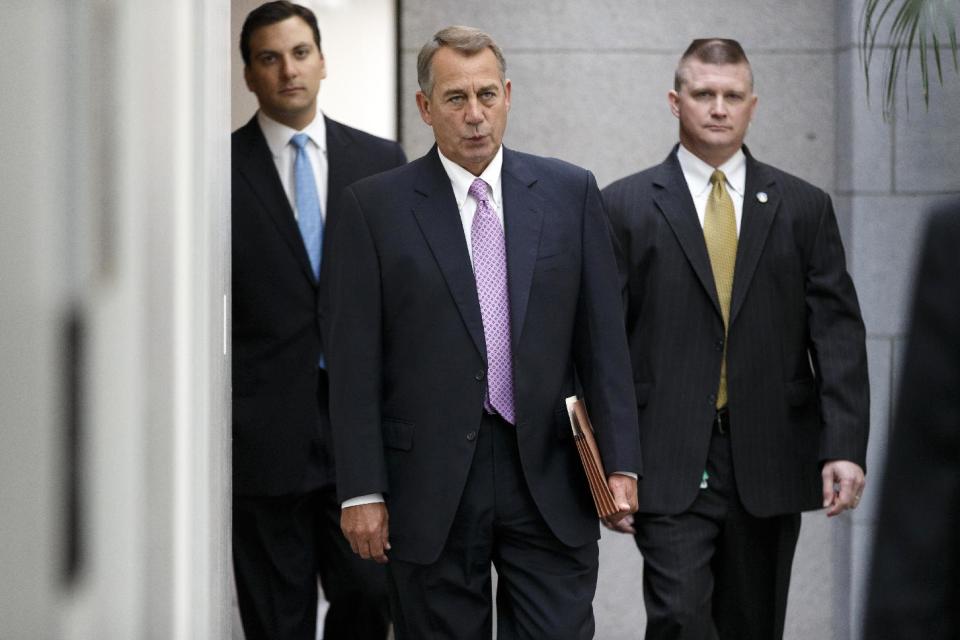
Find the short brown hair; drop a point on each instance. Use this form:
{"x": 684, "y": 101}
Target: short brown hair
{"x": 712, "y": 51}
{"x": 467, "y": 40}
{"x": 272, "y": 13}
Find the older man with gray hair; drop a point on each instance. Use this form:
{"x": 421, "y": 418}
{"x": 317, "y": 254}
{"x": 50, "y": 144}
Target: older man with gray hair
{"x": 469, "y": 291}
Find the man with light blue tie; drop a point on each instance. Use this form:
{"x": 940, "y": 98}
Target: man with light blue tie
{"x": 469, "y": 292}
{"x": 290, "y": 164}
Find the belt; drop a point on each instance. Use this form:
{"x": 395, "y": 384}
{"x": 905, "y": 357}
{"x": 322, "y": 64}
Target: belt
{"x": 721, "y": 421}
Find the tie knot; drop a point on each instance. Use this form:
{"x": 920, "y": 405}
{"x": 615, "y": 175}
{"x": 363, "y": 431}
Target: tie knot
{"x": 299, "y": 140}
{"x": 478, "y": 189}
{"x": 717, "y": 177}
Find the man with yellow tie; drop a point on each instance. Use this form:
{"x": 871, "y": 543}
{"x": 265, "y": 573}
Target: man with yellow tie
{"x": 749, "y": 361}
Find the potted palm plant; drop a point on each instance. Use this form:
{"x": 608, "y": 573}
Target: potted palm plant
{"x": 925, "y": 28}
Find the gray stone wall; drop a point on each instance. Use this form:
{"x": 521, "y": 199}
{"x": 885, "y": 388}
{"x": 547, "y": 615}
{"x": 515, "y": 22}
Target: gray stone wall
{"x": 589, "y": 85}
{"x": 590, "y": 79}
{"x": 889, "y": 174}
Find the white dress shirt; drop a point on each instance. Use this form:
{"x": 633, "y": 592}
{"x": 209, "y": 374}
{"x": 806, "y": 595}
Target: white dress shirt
{"x": 461, "y": 179}
{"x": 285, "y": 154}
{"x": 697, "y": 174}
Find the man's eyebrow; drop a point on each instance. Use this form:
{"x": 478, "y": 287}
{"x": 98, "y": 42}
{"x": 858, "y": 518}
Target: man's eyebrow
{"x": 305, "y": 43}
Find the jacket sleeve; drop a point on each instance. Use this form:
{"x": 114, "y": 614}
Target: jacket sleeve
{"x": 601, "y": 354}
{"x": 353, "y": 353}
{"x": 837, "y": 345}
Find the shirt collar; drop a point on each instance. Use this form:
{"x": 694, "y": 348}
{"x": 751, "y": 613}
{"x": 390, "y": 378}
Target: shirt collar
{"x": 697, "y": 172}
{"x": 278, "y": 135}
{"x": 461, "y": 179}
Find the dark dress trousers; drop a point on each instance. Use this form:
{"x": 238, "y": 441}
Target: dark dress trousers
{"x": 915, "y": 580}
{"x": 797, "y": 384}
{"x": 286, "y": 516}
{"x": 409, "y": 377}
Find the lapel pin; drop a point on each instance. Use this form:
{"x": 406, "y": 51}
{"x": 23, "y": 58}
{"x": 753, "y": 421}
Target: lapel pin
{"x": 762, "y": 197}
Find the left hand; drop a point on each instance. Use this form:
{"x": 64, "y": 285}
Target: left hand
{"x": 624, "y": 490}
{"x": 843, "y": 484}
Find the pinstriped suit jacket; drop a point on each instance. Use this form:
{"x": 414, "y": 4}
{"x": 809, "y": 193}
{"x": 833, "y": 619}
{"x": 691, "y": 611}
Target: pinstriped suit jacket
{"x": 796, "y": 358}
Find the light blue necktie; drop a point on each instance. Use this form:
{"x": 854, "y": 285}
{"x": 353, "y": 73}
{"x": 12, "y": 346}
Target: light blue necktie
{"x": 308, "y": 203}
{"x": 308, "y": 208}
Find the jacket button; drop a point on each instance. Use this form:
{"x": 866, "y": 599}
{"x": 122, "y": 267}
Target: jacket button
{"x": 472, "y": 436}
{"x": 712, "y": 399}
{"x": 479, "y": 375}
{"x": 720, "y": 344}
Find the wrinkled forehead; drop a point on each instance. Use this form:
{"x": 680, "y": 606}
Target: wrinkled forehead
{"x": 450, "y": 66}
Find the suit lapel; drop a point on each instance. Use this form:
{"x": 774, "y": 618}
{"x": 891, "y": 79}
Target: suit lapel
{"x": 338, "y": 161}
{"x": 523, "y": 218}
{"x": 260, "y": 172}
{"x": 439, "y": 220}
{"x": 757, "y": 217}
{"x": 675, "y": 202}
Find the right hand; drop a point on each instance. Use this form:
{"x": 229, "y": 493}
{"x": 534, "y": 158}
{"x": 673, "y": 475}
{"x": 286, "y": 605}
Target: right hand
{"x": 365, "y": 527}
{"x": 623, "y": 525}
{"x": 624, "y": 490}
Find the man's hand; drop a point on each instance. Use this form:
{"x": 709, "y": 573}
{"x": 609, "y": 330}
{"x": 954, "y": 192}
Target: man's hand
{"x": 623, "y": 525}
{"x": 624, "y": 490}
{"x": 365, "y": 527}
{"x": 843, "y": 483}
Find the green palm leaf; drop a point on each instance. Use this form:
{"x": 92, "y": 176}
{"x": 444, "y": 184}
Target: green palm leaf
{"x": 916, "y": 26}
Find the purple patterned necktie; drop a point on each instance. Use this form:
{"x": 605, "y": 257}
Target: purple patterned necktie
{"x": 490, "y": 271}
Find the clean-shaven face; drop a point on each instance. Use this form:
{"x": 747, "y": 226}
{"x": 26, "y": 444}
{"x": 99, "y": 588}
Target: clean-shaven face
{"x": 285, "y": 71}
{"x": 714, "y": 105}
{"x": 467, "y": 107}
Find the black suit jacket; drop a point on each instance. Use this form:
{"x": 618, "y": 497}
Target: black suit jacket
{"x": 797, "y": 372}
{"x": 915, "y": 582}
{"x": 276, "y": 326}
{"x": 407, "y": 355}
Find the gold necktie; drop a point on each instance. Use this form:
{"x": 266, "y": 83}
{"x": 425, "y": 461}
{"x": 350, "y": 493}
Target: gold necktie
{"x": 720, "y": 233}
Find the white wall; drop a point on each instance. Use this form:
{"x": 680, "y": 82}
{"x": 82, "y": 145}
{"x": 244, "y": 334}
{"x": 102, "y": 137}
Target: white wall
{"x": 32, "y": 314}
{"x": 115, "y": 200}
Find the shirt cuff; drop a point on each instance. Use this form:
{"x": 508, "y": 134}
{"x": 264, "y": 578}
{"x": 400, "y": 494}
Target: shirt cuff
{"x": 370, "y": 498}
{"x": 629, "y": 474}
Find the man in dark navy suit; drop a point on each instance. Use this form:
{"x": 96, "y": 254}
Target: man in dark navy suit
{"x": 914, "y": 583}
{"x": 290, "y": 164}
{"x": 749, "y": 361}
{"x": 469, "y": 292}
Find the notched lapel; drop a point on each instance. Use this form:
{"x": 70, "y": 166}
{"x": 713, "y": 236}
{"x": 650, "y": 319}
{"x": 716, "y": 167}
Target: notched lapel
{"x": 675, "y": 202}
{"x": 260, "y": 172}
{"x": 757, "y": 217}
{"x": 439, "y": 220}
{"x": 523, "y": 220}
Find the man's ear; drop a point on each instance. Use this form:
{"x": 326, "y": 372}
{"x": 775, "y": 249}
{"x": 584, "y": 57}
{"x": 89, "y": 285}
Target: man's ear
{"x": 423, "y": 104}
{"x": 674, "y": 98}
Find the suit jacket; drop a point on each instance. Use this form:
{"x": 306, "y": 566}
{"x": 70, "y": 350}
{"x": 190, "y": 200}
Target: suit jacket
{"x": 915, "y": 582}
{"x": 277, "y": 339}
{"x": 796, "y": 360}
{"x": 407, "y": 355}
